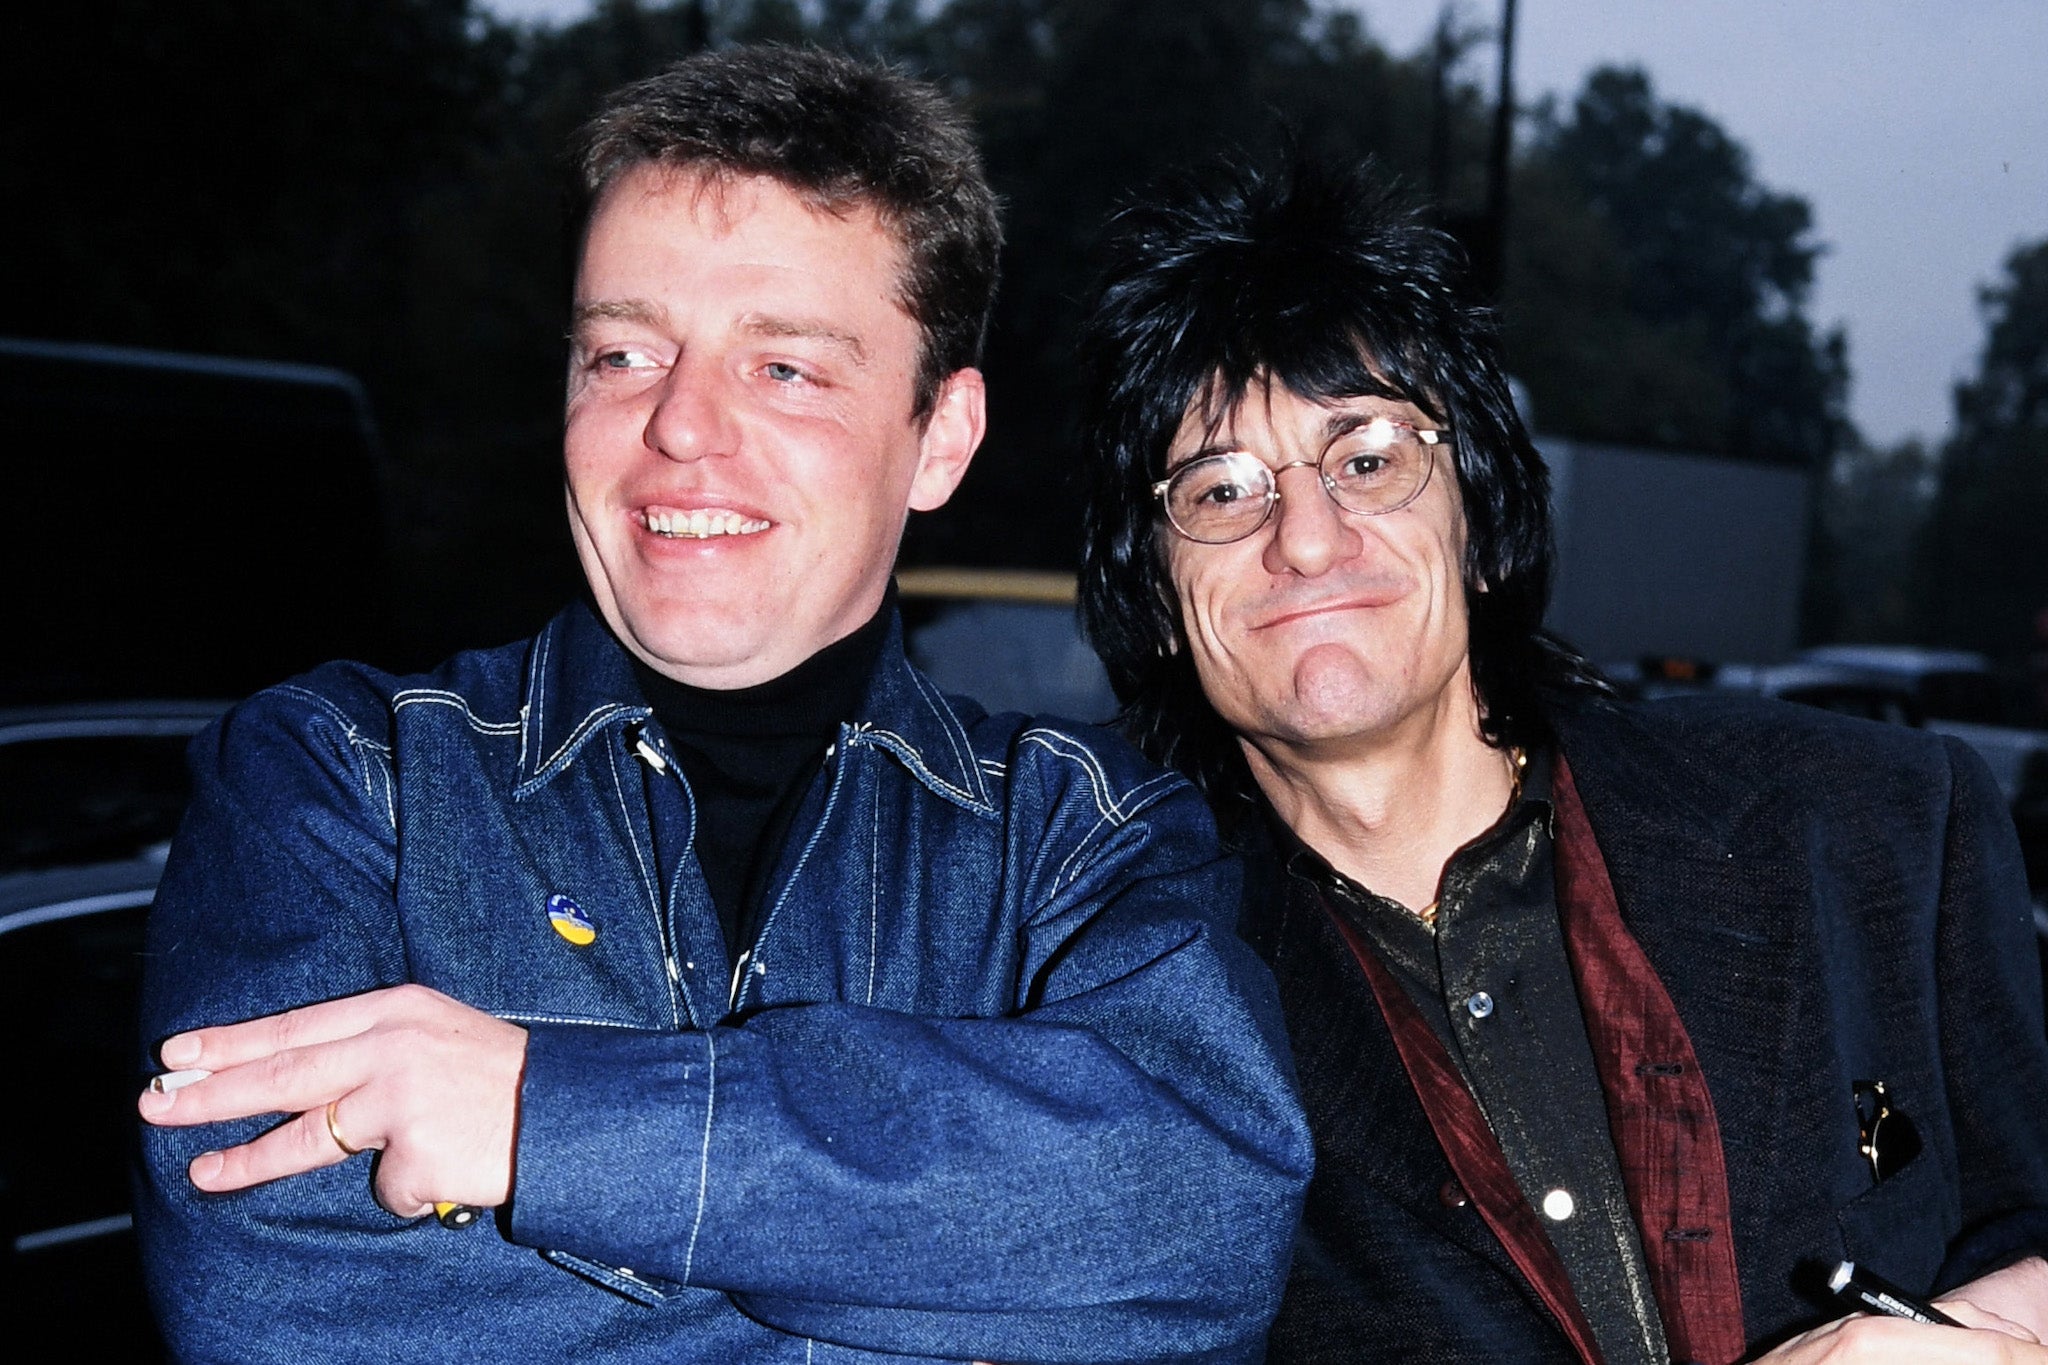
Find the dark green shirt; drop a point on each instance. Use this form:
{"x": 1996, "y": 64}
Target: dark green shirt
{"x": 1492, "y": 978}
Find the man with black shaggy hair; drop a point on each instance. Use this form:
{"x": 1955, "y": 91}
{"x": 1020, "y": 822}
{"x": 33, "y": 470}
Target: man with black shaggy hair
{"x": 1617, "y": 1027}
{"x": 707, "y": 985}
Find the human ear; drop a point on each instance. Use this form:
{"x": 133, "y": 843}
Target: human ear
{"x": 951, "y": 435}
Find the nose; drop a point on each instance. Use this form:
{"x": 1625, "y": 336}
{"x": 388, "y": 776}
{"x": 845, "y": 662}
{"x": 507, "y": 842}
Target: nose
{"x": 690, "y": 418}
{"x": 1311, "y": 534}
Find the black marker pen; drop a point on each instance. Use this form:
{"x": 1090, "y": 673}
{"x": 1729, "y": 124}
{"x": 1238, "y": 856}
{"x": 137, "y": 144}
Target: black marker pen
{"x": 1868, "y": 1291}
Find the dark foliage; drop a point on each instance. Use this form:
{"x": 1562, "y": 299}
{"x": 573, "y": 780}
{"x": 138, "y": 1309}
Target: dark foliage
{"x": 1985, "y": 552}
{"x": 379, "y": 185}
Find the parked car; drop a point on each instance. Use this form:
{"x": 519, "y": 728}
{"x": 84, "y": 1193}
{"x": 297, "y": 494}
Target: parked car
{"x": 90, "y": 795}
{"x": 1954, "y": 692}
{"x": 250, "y": 543}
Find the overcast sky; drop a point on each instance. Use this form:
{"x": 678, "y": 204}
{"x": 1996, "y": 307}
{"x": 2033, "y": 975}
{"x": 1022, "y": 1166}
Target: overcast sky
{"x": 1917, "y": 129}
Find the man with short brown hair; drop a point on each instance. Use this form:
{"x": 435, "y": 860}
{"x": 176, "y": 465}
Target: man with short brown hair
{"x": 769, "y": 1005}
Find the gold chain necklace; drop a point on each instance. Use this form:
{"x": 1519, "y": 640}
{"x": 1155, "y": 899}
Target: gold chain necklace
{"x": 1518, "y": 759}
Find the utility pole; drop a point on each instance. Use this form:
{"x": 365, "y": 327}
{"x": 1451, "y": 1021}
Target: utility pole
{"x": 1493, "y": 259}
{"x": 1446, "y": 52}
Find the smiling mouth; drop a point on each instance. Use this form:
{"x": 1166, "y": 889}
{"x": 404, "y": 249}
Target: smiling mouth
{"x": 700, "y": 525}
{"x": 1307, "y": 610}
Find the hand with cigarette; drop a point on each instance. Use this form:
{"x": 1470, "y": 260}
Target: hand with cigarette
{"x": 430, "y": 1082}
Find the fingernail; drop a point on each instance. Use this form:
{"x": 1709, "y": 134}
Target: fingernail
{"x": 153, "y": 1102}
{"x": 179, "y": 1050}
{"x": 206, "y": 1166}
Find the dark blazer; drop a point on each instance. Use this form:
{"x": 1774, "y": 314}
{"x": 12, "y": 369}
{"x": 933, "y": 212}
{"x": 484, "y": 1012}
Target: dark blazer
{"x": 1826, "y": 901}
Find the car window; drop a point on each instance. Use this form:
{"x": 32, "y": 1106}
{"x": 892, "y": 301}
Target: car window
{"x": 83, "y": 799}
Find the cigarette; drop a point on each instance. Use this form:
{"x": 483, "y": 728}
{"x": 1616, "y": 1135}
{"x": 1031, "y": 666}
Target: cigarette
{"x": 177, "y": 1080}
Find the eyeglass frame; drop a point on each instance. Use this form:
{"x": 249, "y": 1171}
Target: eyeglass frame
{"x": 1431, "y": 438}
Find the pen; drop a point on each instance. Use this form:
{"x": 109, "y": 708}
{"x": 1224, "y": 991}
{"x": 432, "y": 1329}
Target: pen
{"x": 1868, "y": 1291}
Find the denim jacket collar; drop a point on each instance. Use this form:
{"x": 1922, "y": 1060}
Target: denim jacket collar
{"x": 579, "y": 682}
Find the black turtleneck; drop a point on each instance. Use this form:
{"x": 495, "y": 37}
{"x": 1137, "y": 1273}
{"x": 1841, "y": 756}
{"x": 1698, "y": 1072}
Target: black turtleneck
{"x": 749, "y": 753}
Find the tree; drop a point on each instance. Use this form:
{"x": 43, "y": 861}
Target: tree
{"x": 1862, "y": 583}
{"x": 1986, "y": 554}
{"x": 373, "y": 184}
{"x": 1078, "y": 104}
{"x": 1656, "y": 291}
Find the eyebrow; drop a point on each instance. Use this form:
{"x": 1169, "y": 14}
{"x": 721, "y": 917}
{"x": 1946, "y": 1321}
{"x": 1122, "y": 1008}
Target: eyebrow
{"x": 1176, "y": 463}
{"x": 1336, "y": 425}
{"x": 1344, "y": 423}
{"x": 620, "y": 310}
{"x": 650, "y": 314}
{"x": 768, "y": 325}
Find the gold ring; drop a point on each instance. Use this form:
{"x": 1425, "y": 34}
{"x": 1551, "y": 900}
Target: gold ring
{"x": 334, "y": 1131}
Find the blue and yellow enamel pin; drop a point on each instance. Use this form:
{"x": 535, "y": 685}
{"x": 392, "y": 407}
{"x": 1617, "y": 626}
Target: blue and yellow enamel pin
{"x": 570, "y": 920}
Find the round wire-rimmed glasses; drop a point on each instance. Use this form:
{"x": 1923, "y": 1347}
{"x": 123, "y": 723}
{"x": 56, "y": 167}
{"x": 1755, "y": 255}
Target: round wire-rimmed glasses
{"x": 1376, "y": 467}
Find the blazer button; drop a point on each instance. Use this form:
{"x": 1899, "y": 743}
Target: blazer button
{"x": 1452, "y": 1195}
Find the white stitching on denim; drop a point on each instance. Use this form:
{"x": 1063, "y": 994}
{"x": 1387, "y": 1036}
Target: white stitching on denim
{"x": 524, "y": 1018}
{"x": 1098, "y": 781}
{"x": 415, "y": 696}
{"x": 874, "y": 898}
{"x": 358, "y": 744}
{"x": 603, "y": 715}
{"x": 308, "y": 695}
{"x": 956, "y": 736}
{"x": 647, "y": 879}
{"x": 1113, "y": 810}
{"x": 379, "y": 775}
{"x": 363, "y": 744}
{"x": 535, "y": 672}
{"x": 1071, "y": 867}
{"x": 1069, "y": 871}
{"x": 810, "y": 846}
{"x": 704, "y": 1155}
{"x": 896, "y": 744}
{"x": 675, "y": 882}
{"x": 1165, "y": 782}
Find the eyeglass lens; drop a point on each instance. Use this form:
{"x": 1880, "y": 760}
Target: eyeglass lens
{"x": 1374, "y": 468}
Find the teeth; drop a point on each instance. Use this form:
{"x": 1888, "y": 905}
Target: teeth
{"x": 701, "y": 525}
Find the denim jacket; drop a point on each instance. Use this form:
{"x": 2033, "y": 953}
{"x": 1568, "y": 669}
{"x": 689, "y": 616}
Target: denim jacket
{"x": 996, "y": 1081}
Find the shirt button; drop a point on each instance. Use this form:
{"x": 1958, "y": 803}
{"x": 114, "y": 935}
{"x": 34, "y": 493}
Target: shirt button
{"x": 1452, "y": 1195}
{"x": 1479, "y": 1004}
{"x": 1558, "y": 1205}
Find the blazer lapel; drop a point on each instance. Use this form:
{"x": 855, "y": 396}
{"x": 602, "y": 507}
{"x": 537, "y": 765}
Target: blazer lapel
{"x": 1718, "y": 902}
